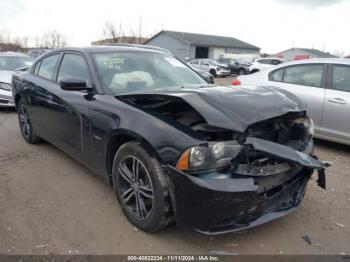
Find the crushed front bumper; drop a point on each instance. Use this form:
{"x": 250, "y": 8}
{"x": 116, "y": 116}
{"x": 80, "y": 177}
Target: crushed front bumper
{"x": 216, "y": 206}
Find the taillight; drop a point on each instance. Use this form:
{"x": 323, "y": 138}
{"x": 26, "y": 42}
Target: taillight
{"x": 236, "y": 82}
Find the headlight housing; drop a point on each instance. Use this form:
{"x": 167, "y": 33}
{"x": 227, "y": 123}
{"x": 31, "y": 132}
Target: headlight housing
{"x": 211, "y": 156}
{"x": 5, "y": 86}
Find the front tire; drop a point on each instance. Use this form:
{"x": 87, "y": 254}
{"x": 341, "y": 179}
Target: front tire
{"x": 142, "y": 188}
{"x": 25, "y": 124}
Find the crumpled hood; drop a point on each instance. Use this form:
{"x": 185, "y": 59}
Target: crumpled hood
{"x": 234, "y": 108}
{"x": 6, "y": 76}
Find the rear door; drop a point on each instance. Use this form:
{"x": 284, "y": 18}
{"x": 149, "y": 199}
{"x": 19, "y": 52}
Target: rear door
{"x": 307, "y": 81}
{"x": 335, "y": 121}
{"x": 39, "y": 96}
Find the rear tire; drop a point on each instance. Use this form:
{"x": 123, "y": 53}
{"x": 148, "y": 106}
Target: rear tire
{"x": 142, "y": 188}
{"x": 25, "y": 124}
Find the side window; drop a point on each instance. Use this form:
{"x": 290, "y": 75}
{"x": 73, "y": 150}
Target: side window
{"x": 73, "y": 66}
{"x": 307, "y": 75}
{"x": 277, "y": 75}
{"x": 341, "y": 78}
{"x": 265, "y": 61}
{"x": 48, "y": 66}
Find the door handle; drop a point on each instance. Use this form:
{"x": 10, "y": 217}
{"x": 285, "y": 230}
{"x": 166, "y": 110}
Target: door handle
{"x": 337, "y": 100}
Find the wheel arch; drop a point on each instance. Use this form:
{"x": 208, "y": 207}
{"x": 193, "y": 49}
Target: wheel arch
{"x": 17, "y": 98}
{"x": 121, "y": 137}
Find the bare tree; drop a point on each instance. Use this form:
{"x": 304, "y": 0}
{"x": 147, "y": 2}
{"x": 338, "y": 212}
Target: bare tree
{"x": 22, "y": 41}
{"x": 53, "y": 39}
{"x": 5, "y": 36}
{"x": 338, "y": 53}
{"x": 113, "y": 33}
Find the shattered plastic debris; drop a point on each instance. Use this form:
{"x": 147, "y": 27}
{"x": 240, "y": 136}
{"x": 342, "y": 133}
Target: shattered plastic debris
{"x": 307, "y": 239}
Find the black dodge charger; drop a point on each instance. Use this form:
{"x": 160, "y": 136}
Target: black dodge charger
{"x": 214, "y": 159}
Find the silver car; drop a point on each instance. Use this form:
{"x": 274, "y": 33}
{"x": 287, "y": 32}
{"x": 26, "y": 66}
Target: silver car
{"x": 9, "y": 62}
{"x": 211, "y": 66}
{"x": 323, "y": 84}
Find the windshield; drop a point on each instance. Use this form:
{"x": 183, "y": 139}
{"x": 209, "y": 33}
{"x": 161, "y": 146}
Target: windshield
{"x": 213, "y": 62}
{"x": 10, "y": 63}
{"x": 142, "y": 71}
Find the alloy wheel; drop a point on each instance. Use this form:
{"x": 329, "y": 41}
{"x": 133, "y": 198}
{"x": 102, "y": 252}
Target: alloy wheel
{"x": 135, "y": 187}
{"x": 24, "y": 122}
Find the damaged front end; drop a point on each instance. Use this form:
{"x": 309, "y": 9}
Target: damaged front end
{"x": 252, "y": 167}
{"x": 227, "y": 186}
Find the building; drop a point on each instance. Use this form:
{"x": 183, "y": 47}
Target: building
{"x": 303, "y": 53}
{"x": 121, "y": 40}
{"x": 187, "y": 46}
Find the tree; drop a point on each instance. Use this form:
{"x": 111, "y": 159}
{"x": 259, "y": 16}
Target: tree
{"x": 112, "y": 32}
{"x": 52, "y": 39}
{"x": 338, "y": 53}
{"x": 5, "y": 36}
{"x": 22, "y": 41}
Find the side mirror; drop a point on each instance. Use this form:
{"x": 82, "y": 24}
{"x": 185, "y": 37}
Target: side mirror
{"x": 71, "y": 84}
{"x": 22, "y": 69}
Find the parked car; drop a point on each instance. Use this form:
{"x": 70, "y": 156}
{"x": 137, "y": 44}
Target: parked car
{"x": 35, "y": 53}
{"x": 323, "y": 84}
{"x": 234, "y": 66}
{"x": 9, "y": 62}
{"x": 171, "y": 146}
{"x": 209, "y": 78}
{"x": 211, "y": 66}
{"x": 263, "y": 63}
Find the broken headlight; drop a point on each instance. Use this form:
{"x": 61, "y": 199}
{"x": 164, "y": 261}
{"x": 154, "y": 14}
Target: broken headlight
{"x": 208, "y": 157}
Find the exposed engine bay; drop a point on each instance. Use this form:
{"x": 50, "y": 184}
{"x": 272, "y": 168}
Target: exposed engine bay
{"x": 288, "y": 130}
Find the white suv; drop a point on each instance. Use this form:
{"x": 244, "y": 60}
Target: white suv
{"x": 211, "y": 66}
{"x": 262, "y": 63}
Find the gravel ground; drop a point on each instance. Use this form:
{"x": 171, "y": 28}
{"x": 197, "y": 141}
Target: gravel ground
{"x": 50, "y": 204}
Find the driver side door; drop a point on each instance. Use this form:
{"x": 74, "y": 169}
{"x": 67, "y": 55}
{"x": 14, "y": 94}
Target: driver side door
{"x": 69, "y": 110}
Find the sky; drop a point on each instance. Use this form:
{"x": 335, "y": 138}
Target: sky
{"x": 272, "y": 25}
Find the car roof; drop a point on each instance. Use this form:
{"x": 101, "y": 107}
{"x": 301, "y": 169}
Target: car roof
{"x": 114, "y": 48}
{"x": 269, "y": 58}
{"x": 316, "y": 61}
{"x": 12, "y": 54}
